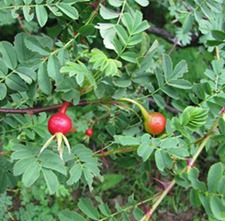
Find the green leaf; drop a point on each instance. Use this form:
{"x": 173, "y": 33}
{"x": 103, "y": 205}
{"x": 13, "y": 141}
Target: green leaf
{"x": 23, "y": 53}
{"x": 3, "y": 69}
{"x": 188, "y": 23}
{"x": 115, "y": 3}
{"x": 36, "y": 44}
{"x": 68, "y": 10}
{"x": 88, "y": 75}
{"x": 159, "y": 77}
{"x": 159, "y": 101}
{"x": 180, "y": 83}
{"x": 86, "y": 30}
{"x": 89, "y": 165}
{"x": 218, "y": 35}
{"x": 86, "y": 206}
{"x": 205, "y": 201}
{"x": 110, "y": 181}
{"x": 214, "y": 175}
{"x": 21, "y": 153}
{"x": 43, "y": 79}
{"x": 141, "y": 27}
{"x": 27, "y": 74}
{"x": 7, "y": 180}
{"x": 142, "y": 3}
{"x": 145, "y": 150}
{"x": 128, "y": 22}
{"x": 194, "y": 199}
{"x": 88, "y": 175}
{"x": 122, "y": 34}
{"x": 221, "y": 186}
{"x": 129, "y": 56}
{"x": 179, "y": 70}
{"x": 31, "y": 175}
{"x": 167, "y": 67}
{"x": 178, "y": 152}
{"x": 21, "y": 166}
{"x": 171, "y": 142}
{"x": 80, "y": 78}
{"x": 42, "y": 15}
{"x": 55, "y": 11}
{"x": 126, "y": 140}
{"x": 135, "y": 39}
{"x": 138, "y": 213}
{"x": 217, "y": 206}
{"x": 54, "y": 163}
{"x": 27, "y": 12}
{"x": 162, "y": 160}
{"x": 8, "y": 54}
{"x": 103, "y": 207}
{"x": 108, "y": 13}
{"x": 3, "y": 91}
{"x": 15, "y": 83}
{"x": 67, "y": 215}
{"x": 193, "y": 177}
{"x": 214, "y": 42}
{"x": 75, "y": 174}
{"x": 107, "y": 32}
{"x": 193, "y": 117}
{"x": 101, "y": 62}
{"x": 51, "y": 180}
{"x": 53, "y": 68}
{"x": 27, "y": 2}
{"x": 170, "y": 92}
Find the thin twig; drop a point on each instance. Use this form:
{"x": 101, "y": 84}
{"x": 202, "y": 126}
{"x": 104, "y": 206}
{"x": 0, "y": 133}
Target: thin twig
{"x": 174, "y": 46}
{"x": 167, "y": 107}
{"x": 50, "y": 108}
{"x": 166, "y": 35}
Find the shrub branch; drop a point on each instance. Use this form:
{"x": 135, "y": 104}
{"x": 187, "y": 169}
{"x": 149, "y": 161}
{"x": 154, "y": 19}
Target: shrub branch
{"x": 148, "y": 216}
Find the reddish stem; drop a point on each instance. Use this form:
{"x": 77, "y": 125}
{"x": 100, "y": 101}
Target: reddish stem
{"x": 49, "y": 108}
{"x": 64, "y": 107}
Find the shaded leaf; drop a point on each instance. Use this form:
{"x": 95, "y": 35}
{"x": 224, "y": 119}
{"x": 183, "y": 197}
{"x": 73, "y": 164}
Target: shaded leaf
{"x": 108, "y": 13}
{"x": 214, "y": 175}
{"x": 31, "y": 175}
{"x": 67, "y": 215}
{"x": 43, "y": 79}
{"x": 51, "y": 180}
{"x": 8, "y": 54}
{"x": 3, "y": 91}
{"x": 86, "y": 206}
{"x": 69, "y": 10}
{"x": 42, "y": 15}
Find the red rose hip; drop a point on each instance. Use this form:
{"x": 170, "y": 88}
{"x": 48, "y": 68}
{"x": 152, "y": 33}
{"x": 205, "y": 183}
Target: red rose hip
{"x": 155, "y": 123}
{"x": 59, "y": 123}
{"x": 89, "y": 132}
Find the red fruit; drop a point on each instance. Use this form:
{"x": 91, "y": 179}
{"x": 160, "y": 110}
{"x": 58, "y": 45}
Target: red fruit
{"x": 89, "y": 132}
{"x": 155, "y": 123}
{"x": 60, "y": 122}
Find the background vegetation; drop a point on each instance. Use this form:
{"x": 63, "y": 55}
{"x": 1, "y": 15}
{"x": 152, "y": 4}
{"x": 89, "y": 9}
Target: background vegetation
{"x": 167, "y": 55}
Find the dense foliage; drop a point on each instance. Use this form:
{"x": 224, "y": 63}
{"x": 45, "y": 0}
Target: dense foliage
{"x": 116, "y": 62}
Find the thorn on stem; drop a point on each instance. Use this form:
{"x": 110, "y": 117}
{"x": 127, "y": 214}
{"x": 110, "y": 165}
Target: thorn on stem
{"x": 148, "y": 215}
{"x": 105, "y": 162}
{"x": 164, "y": 185}
{"x": 190, "y": 164}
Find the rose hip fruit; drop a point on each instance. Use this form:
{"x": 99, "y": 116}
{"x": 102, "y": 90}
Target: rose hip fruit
{"x": 60, "y": 122}
{"x": 155, "y": 123}
{"x": 89, "y": 132}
